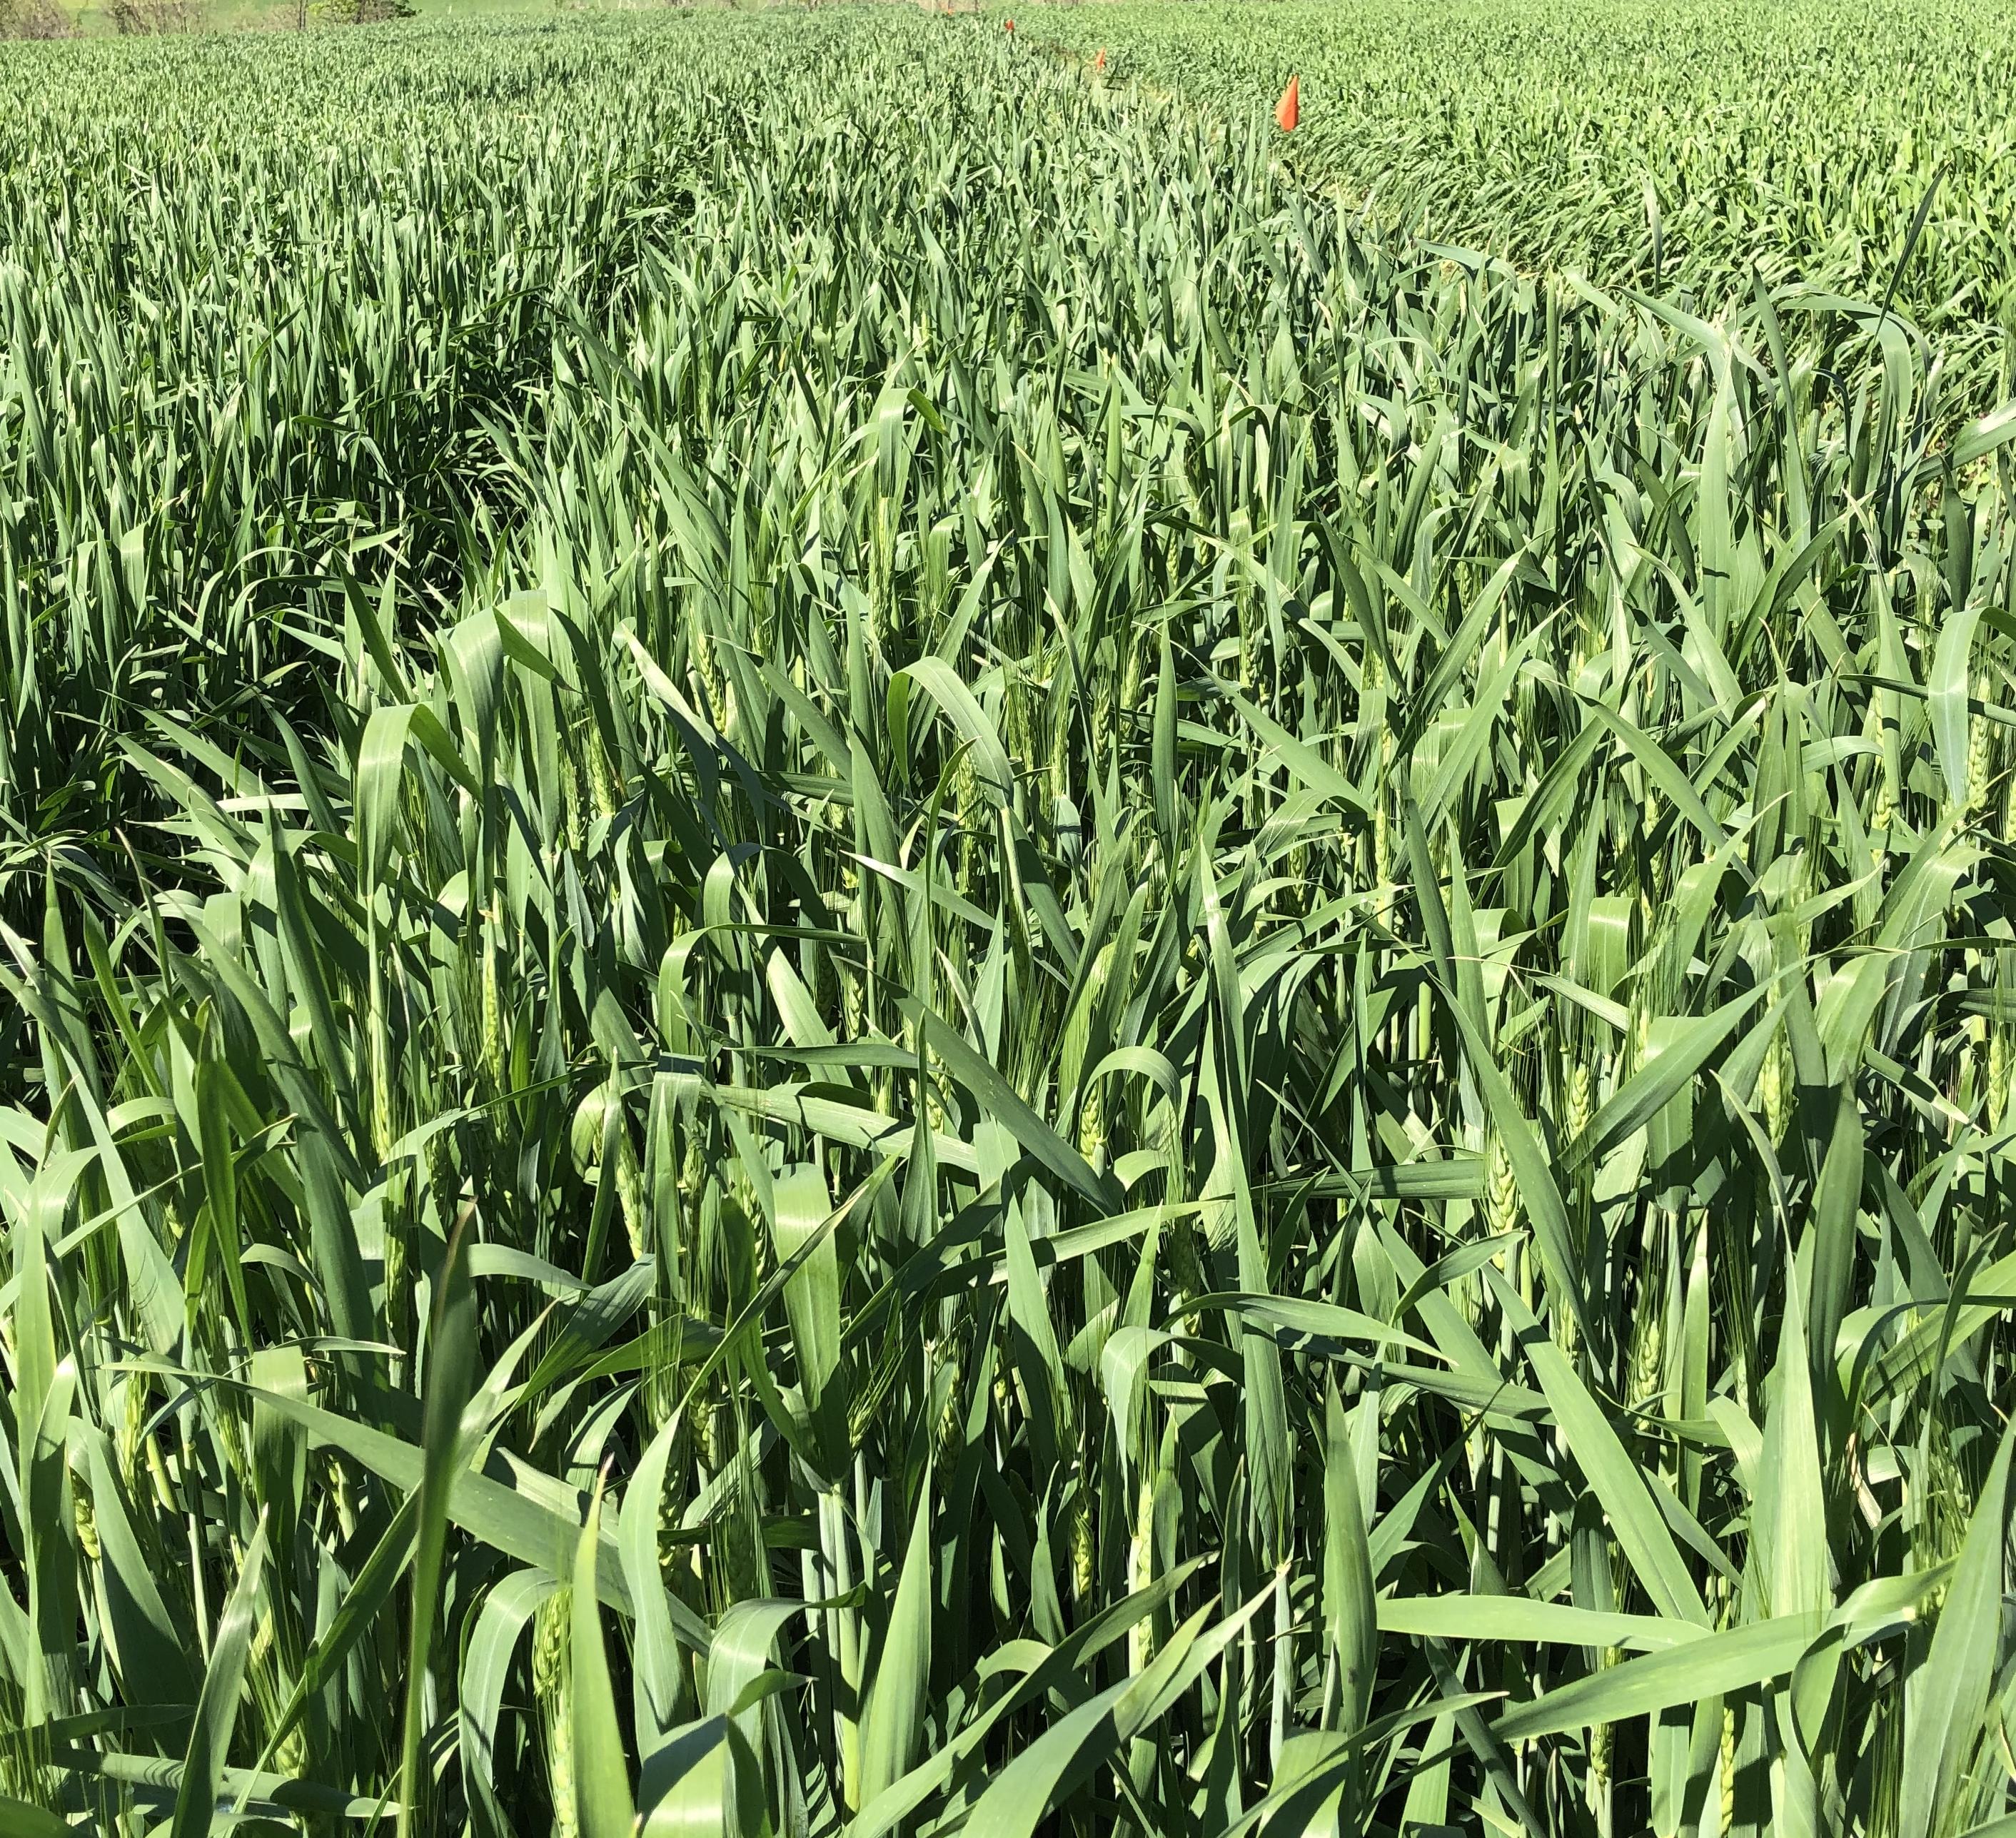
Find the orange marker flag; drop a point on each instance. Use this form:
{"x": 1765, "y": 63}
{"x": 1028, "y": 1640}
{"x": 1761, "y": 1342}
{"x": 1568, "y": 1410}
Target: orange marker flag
{"x": 1099, "y": 62}
{"x": 1008, "y": 25}
{"x": 1288, "y": 111}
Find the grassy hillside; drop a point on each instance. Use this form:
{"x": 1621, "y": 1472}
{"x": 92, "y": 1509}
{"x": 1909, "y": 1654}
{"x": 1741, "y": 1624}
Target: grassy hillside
{"x": 881, "y": 955}
{"x": 95, "y": 18}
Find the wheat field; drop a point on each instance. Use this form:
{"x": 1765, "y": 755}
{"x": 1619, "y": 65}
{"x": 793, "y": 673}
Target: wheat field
{"x": 900, "y": 942}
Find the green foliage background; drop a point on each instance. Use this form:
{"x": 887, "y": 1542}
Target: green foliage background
{"x": 884, "y": 952}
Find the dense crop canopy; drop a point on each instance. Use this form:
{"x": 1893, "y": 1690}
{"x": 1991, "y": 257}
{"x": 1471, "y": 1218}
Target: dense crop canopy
{"x": 882, "y": 955}
{"x": 1678, "y": 148}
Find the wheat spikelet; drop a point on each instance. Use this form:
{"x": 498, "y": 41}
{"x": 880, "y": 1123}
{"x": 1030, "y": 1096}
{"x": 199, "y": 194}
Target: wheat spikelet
{"x": 552, "y": 1690}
